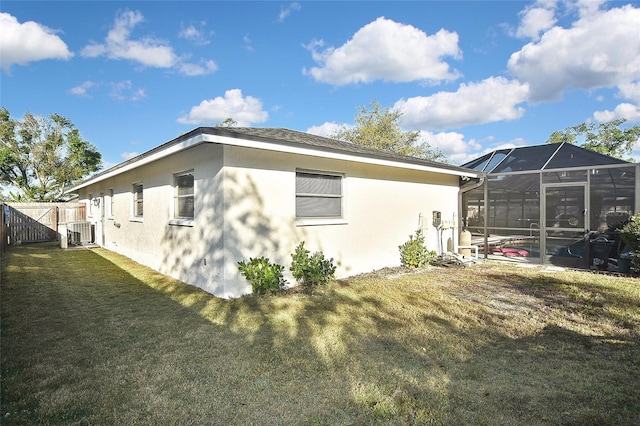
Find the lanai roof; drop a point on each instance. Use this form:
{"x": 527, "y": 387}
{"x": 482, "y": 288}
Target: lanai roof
{"x": 539, "y": 157}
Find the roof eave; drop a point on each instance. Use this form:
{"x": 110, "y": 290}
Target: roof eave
{"x": 220, "y": 136}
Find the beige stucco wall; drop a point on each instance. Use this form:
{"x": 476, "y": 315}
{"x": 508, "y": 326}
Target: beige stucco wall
{"x": 189, "y": 253}
{"x": 245, "y": 207}
{"x": 382, "y": 207}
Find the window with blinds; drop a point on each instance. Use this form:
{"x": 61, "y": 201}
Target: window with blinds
{"x": 183, "y": 195}
{"x": 137, "y": 200}
{"x": 318, "y": 195}
{"x": 111, "y": 204}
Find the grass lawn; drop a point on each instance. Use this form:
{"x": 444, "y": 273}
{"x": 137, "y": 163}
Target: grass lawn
{"x": 90, "y": 337}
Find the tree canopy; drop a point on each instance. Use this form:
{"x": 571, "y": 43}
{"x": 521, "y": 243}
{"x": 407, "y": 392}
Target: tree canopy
{"x": 227, "y": 122}
{"x": 605, "y": 138}
{"x": 41, "y": 156}
{"x": 377, "y": 127}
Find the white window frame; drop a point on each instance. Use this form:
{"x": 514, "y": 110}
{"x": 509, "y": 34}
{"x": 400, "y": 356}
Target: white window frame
{"x": 320, "y": 219}
{"x": 111, "y": 204}
{"x": 90, "y": 202}
{"x": 176, "y": 220}
{"x": 134, "y": 202}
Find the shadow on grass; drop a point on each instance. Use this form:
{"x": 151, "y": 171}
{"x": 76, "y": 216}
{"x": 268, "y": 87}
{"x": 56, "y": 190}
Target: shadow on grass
{"x": 91, "y": 337}
{"x": 587, "y": 294}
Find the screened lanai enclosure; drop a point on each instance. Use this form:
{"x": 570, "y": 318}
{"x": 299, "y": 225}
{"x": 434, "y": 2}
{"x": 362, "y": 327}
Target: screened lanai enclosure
{"x": 556, "y": 204}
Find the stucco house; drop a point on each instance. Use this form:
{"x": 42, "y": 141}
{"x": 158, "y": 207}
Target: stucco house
{"x": 193, "y": 207}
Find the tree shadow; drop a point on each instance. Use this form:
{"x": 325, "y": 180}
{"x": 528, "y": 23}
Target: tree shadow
{"x": 231, "y": 225}
{"x": 116, "y": 343}
{"x": 581, "y": 296}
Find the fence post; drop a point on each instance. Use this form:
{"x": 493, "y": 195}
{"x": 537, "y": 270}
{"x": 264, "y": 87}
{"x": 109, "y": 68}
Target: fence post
{"x": 4, "y": 229}
{"x": 54, "y": 220}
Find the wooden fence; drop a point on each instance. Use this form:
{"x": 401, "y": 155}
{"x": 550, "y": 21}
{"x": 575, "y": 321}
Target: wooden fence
{"x": 38, "y": 222}
{"x": 4, "y": 230}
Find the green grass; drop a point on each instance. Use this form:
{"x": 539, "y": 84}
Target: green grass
{"x": 90, "y": 337}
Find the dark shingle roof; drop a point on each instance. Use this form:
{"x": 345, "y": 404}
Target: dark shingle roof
{"x": 285, "y": 137}
{"x": 295, "y": 138}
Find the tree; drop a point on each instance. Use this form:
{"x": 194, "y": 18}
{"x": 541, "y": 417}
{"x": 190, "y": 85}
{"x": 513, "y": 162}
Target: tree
{"x": 605, "y": 138}
{"x": 40, "y": 156}
{"x": 379, "y": 128}
{"x": 227, "y": 122}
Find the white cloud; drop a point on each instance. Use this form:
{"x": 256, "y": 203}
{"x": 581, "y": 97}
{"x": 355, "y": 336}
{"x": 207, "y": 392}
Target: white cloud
{"x": 402, "y": 53}
{"x": 601, "y": 49}
{"x": 535, "y": 20}
{"x": 82, "y": 88}
{"x": 286, "y": 11}
{"x": 624, "y": 110}
{"x": 194, "y": 34}
{"x": 630, "y": 91}
{"x": 326, "y": 129}
{"x": 452, "y": 144}
{"x": 147, "y": 51}
{"x": 627, "y": 110}
{"x": 493, "y": 99}
{"x": 248, "y": 43}
{"x": 124, "y": 90}
{"x": 244, "y": 110}
{"x": 118, "y": 90}
{"x": 26, "y": 42}
{"x": 189, "y": 33}
{"x": 203, "y": 68}
{"x": 587, "y": 7}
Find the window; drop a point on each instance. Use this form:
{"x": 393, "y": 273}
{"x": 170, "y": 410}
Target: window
{"x": 183, "y": 195}
{"x": 318, "y": 195}
{"x": 137, "y": 200}
{"x": 111, "y": 203}
{"x": 90, "y": 204}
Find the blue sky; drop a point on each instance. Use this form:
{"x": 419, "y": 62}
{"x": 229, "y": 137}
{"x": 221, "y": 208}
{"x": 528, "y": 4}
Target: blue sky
{"x": 470, "y": 76}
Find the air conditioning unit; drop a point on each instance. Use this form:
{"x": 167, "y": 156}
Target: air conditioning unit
{"x": 79, "y": 233}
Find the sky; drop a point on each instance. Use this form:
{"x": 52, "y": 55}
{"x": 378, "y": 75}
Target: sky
{"x": 470, "y": 76}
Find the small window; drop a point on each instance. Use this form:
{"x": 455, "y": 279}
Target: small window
{"x": 90, "y": 204}
{"x": 183, "y": 195}
{"x": 137, "y": 200}
{"x": 111, "y": 203}
{"x": 318, "y": 195}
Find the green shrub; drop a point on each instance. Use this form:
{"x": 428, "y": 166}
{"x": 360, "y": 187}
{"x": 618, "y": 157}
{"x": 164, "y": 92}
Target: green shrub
{"x": 311, "y": 270}
{"x": 630, "y": 234}
{"x": 414, "y": 253}
{"x": 263, "y": 275}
